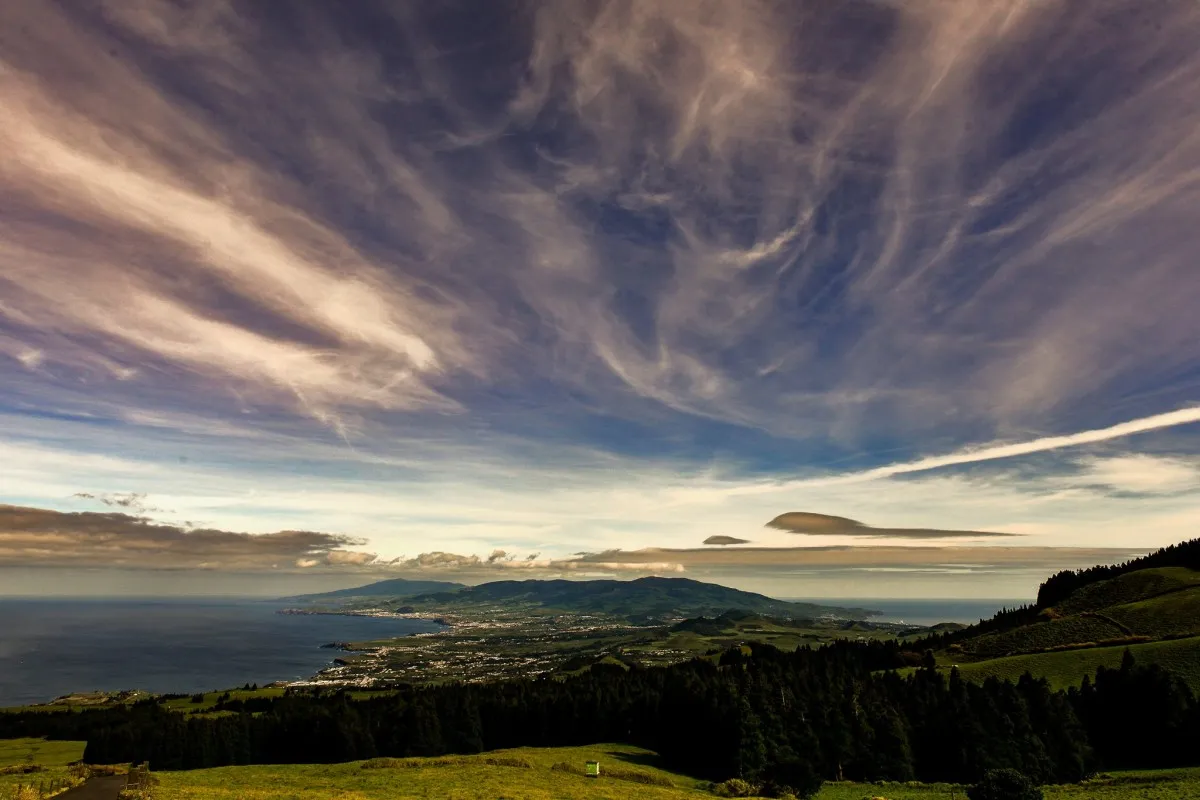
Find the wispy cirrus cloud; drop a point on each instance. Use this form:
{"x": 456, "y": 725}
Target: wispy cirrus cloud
{"x": 240, "y": 212}
{"x": 670, "y": 268}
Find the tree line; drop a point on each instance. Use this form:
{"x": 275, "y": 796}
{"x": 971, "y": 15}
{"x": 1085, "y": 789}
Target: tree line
{"x": 1061, "y": 585}
{"x": 786, "y": 719}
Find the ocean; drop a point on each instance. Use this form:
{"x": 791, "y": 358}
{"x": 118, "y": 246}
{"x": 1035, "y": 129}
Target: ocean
{"x": 922, "y": 611}
{"x": 49, "y": 648}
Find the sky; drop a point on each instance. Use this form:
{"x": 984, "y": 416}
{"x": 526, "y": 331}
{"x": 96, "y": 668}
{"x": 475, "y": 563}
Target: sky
{"x": 821, "y": 299}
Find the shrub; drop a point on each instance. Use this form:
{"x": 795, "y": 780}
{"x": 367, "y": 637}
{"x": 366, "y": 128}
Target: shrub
{"x": 1004, "y": 784}
{"x": 634, "y": 776}
{"x": 791, "y": 776}
{"x": 503, "y": 761}
{"x": 21, "y": 769}
{"x": 140, "y": 793}
{"x": 735, "y": 787}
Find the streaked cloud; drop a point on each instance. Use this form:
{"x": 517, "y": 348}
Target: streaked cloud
{"x": 669, "y": 268}
{"x": 1140, "y": 473}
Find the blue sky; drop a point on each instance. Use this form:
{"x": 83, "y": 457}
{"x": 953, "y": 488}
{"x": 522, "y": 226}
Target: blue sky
{"x": 568, "y": 288}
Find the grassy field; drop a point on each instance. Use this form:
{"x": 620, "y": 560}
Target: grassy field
{"x": 1052, "y": 633}
{"x": 1176, "y": 613}
{"x": 1132, "y": 587}
{"x": 1067, "y": 668}
{"x": 529, "y": 774}
{"x": 1178, "y": 784}
{"x": 186, "y": 705}
{"x": 455, "y": 778}
{"x": 50, "y": 758}
{"x": 39, "y": 751}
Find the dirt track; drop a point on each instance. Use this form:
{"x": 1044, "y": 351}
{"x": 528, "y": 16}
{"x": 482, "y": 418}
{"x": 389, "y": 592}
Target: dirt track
{"x": 96, "y": 789}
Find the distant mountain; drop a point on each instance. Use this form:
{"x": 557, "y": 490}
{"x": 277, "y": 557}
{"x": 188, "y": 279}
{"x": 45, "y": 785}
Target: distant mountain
{"x": 644, "y": 599}
{"x": 396, "y": 587}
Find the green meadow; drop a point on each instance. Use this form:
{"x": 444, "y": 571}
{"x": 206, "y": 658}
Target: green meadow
{"x": 1066, "y": 668}
{"x": 532, "y": 774}
{"x": 524, "y": 774}
{"x": 39, "y": 751}
{"x": 47, "y": 760}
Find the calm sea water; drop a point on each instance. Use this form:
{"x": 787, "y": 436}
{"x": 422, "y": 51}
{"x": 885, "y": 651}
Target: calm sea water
{"x": 923, "y": 612}
{"x": 50, "y": 648}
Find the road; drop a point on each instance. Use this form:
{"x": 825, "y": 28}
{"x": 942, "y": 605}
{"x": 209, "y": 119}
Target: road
{"x": 105, "y": 788}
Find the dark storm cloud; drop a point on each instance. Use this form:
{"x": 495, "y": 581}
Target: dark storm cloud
{"x": 804, "y": 522}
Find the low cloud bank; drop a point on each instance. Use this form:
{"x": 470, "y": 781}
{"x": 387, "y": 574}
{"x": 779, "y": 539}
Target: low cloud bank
{"x": 43, "y": 537}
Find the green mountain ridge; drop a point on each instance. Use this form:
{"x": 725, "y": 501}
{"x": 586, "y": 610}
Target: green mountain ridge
{"x": 640, "y": 600}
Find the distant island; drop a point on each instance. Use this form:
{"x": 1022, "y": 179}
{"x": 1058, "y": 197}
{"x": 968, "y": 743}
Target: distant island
{"x": 650, "y": 600}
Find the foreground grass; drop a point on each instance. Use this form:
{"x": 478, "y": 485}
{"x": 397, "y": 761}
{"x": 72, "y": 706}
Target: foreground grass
{"x": 528, "y": 774}
{"x": 454, "y": 778}
{"x": 1174, "y": 784}
{"x": 48, "y": 760}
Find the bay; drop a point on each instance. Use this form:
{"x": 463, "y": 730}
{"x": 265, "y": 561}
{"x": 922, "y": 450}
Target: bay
{"x": 52, "y": 647}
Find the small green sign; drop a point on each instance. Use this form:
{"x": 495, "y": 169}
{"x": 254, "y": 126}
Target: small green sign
{"x": 593, "y": 769}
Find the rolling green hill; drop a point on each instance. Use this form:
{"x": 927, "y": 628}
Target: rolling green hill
{"x": 1067, "y": 668}
{"x": 1139, "y": 606}
{"x": 1154, "y": 611}
{"x": 1129, "y": 588}
{"x": 638, "y": 600}
{"x": 1174, "y": 614}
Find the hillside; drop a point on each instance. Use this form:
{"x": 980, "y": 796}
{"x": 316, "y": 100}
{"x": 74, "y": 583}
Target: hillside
{"x": 1151, "y": 605}
{"x": 1066, "y": 668}
{"x": 644, "y": 599}
{"x": 1145, "y": 605}
{"x": 1061, "y": 585}
{"x": 395, "y": 587}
